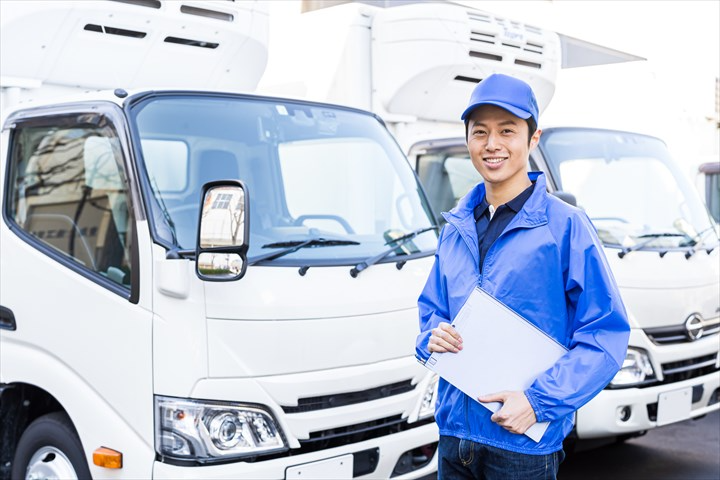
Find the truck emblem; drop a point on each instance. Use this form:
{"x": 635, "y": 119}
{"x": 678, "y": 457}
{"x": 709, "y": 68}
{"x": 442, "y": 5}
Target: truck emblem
{"x": 694, "y": 326}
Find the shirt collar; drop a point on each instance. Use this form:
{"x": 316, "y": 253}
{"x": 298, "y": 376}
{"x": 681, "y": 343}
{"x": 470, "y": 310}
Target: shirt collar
{"x": 515, "y": 204}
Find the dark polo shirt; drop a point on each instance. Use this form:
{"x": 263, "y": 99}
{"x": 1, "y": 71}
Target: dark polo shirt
{"x": 488, "y": 230}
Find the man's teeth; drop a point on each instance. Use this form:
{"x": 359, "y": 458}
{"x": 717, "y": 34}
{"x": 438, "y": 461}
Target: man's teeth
{"x": 493, "y": 160}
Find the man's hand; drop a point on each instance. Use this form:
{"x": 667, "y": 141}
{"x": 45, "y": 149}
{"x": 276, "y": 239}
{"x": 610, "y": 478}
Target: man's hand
{"x": 516, "y": 414}
{"x": 444, "y": 338}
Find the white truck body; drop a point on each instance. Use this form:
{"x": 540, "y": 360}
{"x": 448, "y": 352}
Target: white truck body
{"x": 109, "y": 334}
{"x": 424, "y": 61}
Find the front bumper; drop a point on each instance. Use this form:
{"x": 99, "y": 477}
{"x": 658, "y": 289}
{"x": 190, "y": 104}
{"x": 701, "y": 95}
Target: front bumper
{"x": 390, "y": 449}
{"x": 602, "y": 416}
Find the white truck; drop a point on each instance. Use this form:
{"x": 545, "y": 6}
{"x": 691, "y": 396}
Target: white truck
{"x": 416, "y": 65}
{"x": 199, "y": 283}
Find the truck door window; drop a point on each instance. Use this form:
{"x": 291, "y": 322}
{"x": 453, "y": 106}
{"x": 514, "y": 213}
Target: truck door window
{"x": 68, "y": 193}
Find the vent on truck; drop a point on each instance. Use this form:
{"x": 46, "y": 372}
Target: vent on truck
{"x": 496, "y": 39}
{"x": 122, "y": 32}
{"x": 141, "y": 3}
{"x": 190, "y": 10}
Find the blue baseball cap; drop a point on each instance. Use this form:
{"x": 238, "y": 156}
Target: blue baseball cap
{"x": 506, "y": 92}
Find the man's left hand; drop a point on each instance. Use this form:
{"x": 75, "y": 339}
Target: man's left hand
{"x": 516, "y": 414}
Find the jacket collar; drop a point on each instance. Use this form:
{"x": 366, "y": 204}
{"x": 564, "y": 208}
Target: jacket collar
{"x": 533, "y": 213}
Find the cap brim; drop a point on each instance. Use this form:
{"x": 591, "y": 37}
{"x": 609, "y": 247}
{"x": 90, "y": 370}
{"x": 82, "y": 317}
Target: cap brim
{"x": 514, "y": 110}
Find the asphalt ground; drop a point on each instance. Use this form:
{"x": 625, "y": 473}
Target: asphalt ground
{"x": 683, "y": 451}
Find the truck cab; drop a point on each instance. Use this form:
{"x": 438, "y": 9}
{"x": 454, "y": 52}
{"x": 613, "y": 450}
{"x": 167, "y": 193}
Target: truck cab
{"x": 290, "y": 354}
{"x": 196, "y": 281}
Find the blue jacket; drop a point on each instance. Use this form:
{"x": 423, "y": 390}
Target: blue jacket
{"x": 547, "y": 265}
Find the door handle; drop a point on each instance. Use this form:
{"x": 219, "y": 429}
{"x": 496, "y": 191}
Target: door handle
{"x": 7, "y": 319}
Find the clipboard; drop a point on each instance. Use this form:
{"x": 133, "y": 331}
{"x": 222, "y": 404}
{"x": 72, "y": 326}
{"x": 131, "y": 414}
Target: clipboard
{"x": 501, "y": 351}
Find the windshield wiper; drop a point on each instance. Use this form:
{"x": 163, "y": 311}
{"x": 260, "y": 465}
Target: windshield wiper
{"x": 295, "y": 245}
{"x": 396, "y": 243}
{"x": 696, "y": 241}
{"x": 650, "y": 237}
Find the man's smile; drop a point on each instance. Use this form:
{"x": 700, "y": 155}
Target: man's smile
{"x": 494, "y": 160}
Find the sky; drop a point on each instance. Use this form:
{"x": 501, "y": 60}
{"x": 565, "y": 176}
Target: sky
{"x": 671, "y": 95}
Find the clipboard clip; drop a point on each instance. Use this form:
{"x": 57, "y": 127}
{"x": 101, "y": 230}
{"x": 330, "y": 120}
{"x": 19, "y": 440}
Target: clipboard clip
{"x": 421, "y": 360}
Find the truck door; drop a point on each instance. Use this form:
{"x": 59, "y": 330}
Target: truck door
{"x": 69, "y": 279}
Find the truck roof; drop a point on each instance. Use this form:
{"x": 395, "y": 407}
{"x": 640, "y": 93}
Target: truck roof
{"x": 106, "y": 44}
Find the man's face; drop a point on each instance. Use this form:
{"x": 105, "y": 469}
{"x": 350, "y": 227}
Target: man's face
{"x": 498, "y": 145}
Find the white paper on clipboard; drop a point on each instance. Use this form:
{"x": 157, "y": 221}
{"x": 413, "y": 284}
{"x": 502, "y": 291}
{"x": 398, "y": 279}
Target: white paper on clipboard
{"x": 501, "y": 351}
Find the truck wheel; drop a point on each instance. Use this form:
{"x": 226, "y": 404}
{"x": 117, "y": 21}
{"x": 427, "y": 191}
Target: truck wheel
{"x": 50, "y": 449}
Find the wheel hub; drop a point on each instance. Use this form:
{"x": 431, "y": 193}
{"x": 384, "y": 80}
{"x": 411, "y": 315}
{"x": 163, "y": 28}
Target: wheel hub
{"x": 49, "y": 463}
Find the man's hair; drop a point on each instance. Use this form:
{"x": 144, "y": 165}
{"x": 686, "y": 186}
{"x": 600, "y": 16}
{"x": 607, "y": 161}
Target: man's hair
{"x": 532, "y": 128}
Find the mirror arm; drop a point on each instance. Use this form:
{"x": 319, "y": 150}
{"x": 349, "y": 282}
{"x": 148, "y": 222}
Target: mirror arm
{"x": 177, "y": 254}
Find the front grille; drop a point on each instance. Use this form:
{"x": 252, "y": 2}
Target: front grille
{"x": 310, "y": 404}
{"x": 690, "y": 368}
{"x": 337, "y": 437}
{"x": 679, "y": 333}
{"x": 352, "y": 433}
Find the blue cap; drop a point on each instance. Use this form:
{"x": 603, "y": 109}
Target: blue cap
{"x": 506, "y": 92}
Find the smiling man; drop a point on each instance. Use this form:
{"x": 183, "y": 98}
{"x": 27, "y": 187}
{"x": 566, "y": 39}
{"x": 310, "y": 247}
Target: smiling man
{"x": 542, "y": 258}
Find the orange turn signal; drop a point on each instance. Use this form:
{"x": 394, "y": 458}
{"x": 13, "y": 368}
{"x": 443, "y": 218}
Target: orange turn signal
{"x": 107, "y": 457}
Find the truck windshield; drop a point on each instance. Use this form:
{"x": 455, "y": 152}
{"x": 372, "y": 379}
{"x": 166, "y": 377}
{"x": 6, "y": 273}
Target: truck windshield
{"x": 312, "y": 172}
{"x": 630, "y": 187}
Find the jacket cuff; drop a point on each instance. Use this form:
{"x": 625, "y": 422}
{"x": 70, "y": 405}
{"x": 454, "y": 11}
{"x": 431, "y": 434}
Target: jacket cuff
{"x": 539, "y": 414}
{"x": 422, "y": 353}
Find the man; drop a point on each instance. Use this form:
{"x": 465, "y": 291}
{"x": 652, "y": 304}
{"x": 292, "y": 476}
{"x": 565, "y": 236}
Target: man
{"x": 542, "y": 258}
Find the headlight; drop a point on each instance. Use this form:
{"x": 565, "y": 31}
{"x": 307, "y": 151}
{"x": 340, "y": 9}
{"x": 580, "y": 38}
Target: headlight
{"x": 427, "y": 403}
{"x": 636, "y": 369}
{"x": 206, "y": 431}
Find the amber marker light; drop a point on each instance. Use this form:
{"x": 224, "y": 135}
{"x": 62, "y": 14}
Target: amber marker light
{"x": 107, "y": 457}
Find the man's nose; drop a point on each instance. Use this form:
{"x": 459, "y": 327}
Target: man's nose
{"x": 492, "y": 142}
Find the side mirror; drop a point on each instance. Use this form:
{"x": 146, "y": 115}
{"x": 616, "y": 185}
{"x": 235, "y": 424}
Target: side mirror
{"x": 223, "y": 232}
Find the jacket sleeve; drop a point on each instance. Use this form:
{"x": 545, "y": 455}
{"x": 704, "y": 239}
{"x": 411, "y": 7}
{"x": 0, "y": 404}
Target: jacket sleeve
{"x": 432, "y": 306}
{"x": 598, "y": 329}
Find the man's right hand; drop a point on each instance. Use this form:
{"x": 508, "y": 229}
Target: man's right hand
{"x": 444, "y": 338}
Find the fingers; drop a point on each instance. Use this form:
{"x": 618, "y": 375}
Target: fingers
{"x": 516, "y": 414}
{"x": 500, "y": 415}
{"x": 444, "y": 338}
{"x": 493, "y": 397}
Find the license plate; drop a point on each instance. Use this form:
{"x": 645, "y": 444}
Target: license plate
{"x": 336, "y": 468}
{"x": 674, "y": 406}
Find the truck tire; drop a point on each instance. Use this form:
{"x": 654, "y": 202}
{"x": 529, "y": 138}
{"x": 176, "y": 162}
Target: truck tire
{"x": 50, "y": 448}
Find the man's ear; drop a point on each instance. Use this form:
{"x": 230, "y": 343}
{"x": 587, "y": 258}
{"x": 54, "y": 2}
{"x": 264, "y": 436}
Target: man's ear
{"x": 535, "y": 138}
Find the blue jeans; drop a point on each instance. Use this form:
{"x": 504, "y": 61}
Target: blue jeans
{"x": 465, "y": 459}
